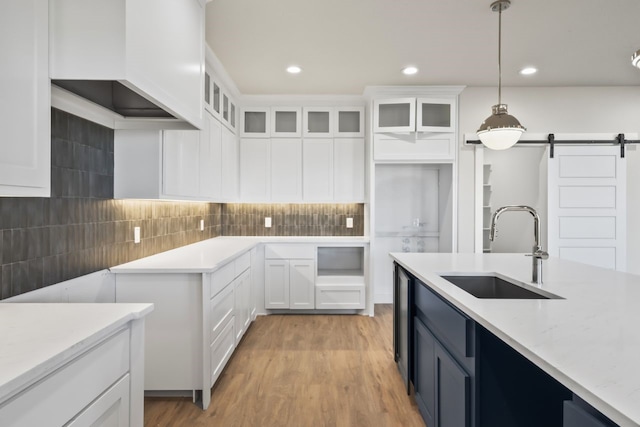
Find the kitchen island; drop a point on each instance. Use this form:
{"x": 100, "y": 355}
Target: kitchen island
{"x": 587, "y": 340}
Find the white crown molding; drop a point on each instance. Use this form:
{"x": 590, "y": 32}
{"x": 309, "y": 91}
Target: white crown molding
{"x": 371, "y": 92}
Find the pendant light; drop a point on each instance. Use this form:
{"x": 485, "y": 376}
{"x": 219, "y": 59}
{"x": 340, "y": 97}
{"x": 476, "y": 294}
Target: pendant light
{"x": 500, "y": 130}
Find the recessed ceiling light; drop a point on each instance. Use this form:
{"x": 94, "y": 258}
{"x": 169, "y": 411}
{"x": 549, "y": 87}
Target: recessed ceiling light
{"x": 409, "y": 70}
{"x": 527, "y": 71}
{"x": 294, "y": 69}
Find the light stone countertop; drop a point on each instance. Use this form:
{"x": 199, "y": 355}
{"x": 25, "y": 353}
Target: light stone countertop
{"x": 39, "y": 338}
{"x": 209, "y": 255}
{"x": 589, "y": 341}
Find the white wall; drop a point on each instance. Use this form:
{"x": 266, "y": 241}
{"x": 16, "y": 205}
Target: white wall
{"x": 553, "y": 110}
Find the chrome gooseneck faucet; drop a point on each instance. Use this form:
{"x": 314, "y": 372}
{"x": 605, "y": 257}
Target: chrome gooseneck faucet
{"x": 537, "y": 254}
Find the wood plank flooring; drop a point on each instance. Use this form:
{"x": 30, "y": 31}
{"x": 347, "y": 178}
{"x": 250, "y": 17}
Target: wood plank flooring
{"x": 303, "y": 370}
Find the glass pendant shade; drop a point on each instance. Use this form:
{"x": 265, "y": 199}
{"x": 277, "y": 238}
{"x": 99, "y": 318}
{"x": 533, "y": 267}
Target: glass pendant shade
{"x": 500, "y": 130}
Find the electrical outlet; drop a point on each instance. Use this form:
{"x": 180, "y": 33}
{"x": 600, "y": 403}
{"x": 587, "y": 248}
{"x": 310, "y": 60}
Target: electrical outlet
{"x": 267, "y": 222}
{"x": 349, "y": 222}
{"x": 202, "y": 225}
{"x": 136, "y": 234}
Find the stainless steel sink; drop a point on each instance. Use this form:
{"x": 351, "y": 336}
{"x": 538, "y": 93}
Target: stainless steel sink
{"x": 491, "y": 286}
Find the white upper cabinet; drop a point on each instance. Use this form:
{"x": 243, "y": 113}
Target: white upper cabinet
{"x": 256, "y": 123}
{"x": 348, "y": 170}
{"x": 25, "y": 109}
{"x": 405, "y": 115}
{"x": 349, "y": 122}
{"x": 323, "y": 122}
{"x": 286, "y": 122}
{"x": 435, "y": 115}
{"x": 229, "y": 167}
{"x": 394, "y": 115}
{"x": 211, "y": 159}
{"x": 255, "y": 159}
{"x": 317, "y": 122}
{"x": 286, "y": 170}
{"x": 317, "y": 169}
{"x": 153, "y": 47}
{"x": 180, "y": 159}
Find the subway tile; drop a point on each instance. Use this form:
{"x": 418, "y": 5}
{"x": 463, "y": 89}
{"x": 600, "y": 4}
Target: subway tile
{"x": 19, "y": 277}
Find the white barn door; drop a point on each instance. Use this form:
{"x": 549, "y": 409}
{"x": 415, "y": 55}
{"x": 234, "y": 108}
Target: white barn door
{"x": 587, "y": 205}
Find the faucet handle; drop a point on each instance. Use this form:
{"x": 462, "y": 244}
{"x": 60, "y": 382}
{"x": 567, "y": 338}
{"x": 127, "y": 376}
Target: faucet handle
{"x": 540, "y": 254}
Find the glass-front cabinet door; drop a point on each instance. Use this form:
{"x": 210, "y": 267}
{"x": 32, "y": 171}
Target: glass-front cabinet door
{"x": 317, "y": 122}
{"x": 349, "y": 122}
{"x": 394, "y": 115}
{"x": 435, "y": 115}
{"x": 207, "y": 91}
{"x": 256, "y": 123}
{"x": 286, "y": 122}
{"x": 215, "y": 99}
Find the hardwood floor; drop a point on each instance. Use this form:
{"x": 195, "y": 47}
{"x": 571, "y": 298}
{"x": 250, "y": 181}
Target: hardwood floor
{"x": 304, "y": 370}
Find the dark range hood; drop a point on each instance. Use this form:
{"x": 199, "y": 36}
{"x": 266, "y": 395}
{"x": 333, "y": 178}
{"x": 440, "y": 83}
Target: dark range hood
{"x": 114, "y": 96}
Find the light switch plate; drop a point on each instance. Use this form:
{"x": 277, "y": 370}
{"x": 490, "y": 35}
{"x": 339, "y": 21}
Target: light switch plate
{"x": 202, "y": 225}
{"x": 267, "y": 222}
{"x": 136, "y": 234}
{"x": 349, "y": 222}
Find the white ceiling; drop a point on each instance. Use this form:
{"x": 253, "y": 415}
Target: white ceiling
{"x": 345, "y": 45}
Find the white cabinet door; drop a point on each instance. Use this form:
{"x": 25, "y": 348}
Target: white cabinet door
{"x": 286, "y": 170}
{"x": 302, "y": 284}
{"x": 286, "y": 122}
{"x": 254, "y": 170}
{"x": 211, "y": 159}
{"x": 436, "y": 115}
{"x": 317, "y": 122}
{"x": 180, "y": 149}
{"x": 348, "y": 167}
{"x": 229, "y": 166}
{"x": 394, "y": 115}
{"x": 276, "y": 283}
{"x": 349, "y": 122}
{"x": 25, "y": 110}
{"x": 317, "y": 169}
{"x": 256, "y": 123}
{"x": 111, "y": 409}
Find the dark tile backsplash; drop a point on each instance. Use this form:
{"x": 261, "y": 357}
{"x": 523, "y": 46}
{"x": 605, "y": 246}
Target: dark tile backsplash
{"x": 81, "y": 228}
{"x": 292, "y": 219}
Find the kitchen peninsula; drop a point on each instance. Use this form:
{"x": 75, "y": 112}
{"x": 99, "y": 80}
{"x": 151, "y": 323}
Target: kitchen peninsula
{"x": 586, "y": 340}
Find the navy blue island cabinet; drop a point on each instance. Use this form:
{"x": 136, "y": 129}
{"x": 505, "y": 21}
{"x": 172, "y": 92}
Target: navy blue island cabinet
{"x": 464, "y": 376}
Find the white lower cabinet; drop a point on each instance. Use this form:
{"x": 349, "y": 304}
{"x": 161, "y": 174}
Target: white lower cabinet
{"x": 109, "y": 410}
{"x": 94, "y": 389}
{"x": 198, "y": 320}
{"x": 305, "y": 277}
{"x": 289, "y": 276}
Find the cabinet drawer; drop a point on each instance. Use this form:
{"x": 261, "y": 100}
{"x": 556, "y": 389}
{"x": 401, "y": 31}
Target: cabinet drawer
{"x": 57, "y": 398}
{"x": 339, "y": 297}
{"x": 290, "y": 251}
{"x": 447, "y": 323}
{"x": 242, "y": 263}
{"x": 110, "y": 409}
{"x": 221, "y": 307}
{"x": 221, "y": 350}
{"x": 222, "y": 278}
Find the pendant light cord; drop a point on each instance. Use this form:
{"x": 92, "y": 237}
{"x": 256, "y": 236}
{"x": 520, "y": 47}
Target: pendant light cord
{"x": 500, "y": 55}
